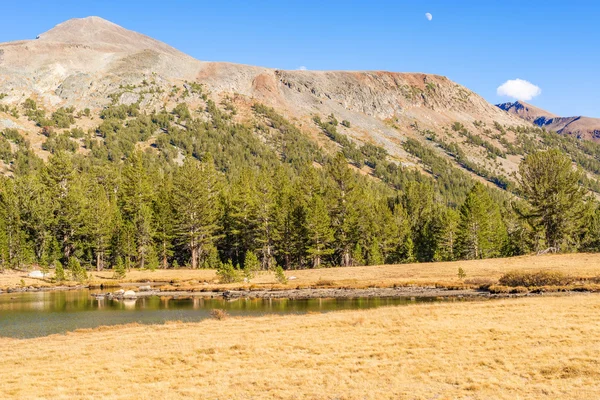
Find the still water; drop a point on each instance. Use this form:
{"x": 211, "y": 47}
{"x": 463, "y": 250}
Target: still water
{"x": 27, "y": 315}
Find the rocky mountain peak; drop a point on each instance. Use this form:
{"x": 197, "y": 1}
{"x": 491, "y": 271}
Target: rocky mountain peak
{"x": 98, "y": 32}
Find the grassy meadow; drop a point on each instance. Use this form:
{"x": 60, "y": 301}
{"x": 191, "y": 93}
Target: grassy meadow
{"x": 581, "y": 265}
{"x": 541, "y": 347}
{"x": 533, "y": 347}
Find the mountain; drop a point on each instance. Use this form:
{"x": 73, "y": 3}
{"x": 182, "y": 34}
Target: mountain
{"x": 119, "y": 150}
{"x": 418, "y": 119}
{"x": 580, "y": 127}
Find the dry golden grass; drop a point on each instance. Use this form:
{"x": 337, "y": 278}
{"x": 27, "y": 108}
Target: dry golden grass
{"x": 388, "y": 275}
{"x": 545, "y": 347}
{"x": 584, "y": 265}
{"x": 10, "y": 278}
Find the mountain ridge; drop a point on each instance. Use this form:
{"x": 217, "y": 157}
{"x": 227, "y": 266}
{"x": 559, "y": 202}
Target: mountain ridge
{"x": 578, "y": 126}
{"x": 93, "y": 64}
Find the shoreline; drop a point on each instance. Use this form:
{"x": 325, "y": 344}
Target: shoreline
{"x": 291, "y": 294}
{"x": 321, "y": 293}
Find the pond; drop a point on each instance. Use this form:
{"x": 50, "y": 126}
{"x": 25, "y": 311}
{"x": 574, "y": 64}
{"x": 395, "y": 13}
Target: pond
{"x": 27, "y": 315}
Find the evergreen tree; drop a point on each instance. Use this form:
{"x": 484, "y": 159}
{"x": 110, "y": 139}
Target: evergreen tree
{"x": 119, "y": 269}
{"x": 280, "y": 275}
{"x": 481, "y": 232}
{"x": 136, "y": 205}
{"x": 265, "y": 220}
{"x": 59, "y": 271}
{"x": 283, "y": 219}
{"x": 196, "y": 204}
{"x": 98, "y": 224}
{"x": 239, "y": 217}
{"x": 556, "y": 206}
{"x": 447, "y": 223}
{"x": 319, "y": 232}
{"x": 343, "y": 212}
{"x": 12, "y": 236}
{"x": 165, "y": 218}
{"x": 419, "y": 203}
{"x": 65, "y": 188}
{"x": 78, "y": 272}
{"x": 36, "y": 215}
{"x": 251, "y": 265}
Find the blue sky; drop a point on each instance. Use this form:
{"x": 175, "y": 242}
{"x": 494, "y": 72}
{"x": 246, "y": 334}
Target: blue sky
{"x": 480, "y": 44}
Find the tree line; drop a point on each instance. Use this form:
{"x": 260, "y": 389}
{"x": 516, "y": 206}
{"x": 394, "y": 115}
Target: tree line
{"x": 267, "y": 193}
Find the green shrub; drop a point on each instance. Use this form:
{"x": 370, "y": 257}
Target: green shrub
{"x": 280, "y": 275}
{"x": 251, "y": 265}
{"x": 59, "y": 272}
{"x": 77, "y": 271}
{"x": 182, "y": 111}
{"x": 227, "y": 273}
{"x": 119, "y": 269}
{"x": 30, "y": 104}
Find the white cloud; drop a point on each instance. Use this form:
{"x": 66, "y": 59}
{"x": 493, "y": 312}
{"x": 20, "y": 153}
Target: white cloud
{"x": 302, "y": 68}
{"x": 519, "y": 89}
{"x": 428, "y": 16}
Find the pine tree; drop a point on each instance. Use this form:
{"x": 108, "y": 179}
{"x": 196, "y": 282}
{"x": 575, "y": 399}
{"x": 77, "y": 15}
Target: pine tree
{"x": 343, "y": 212}
{"x": 119, "y": 269}
{"x": 481, "y": 232}
{"x": 447, "y": 223}
{"x": 36, "y": 214}
{"x": 375, "y": 256}
{"x": 78, "y": 272}
{"x": 402, "y": 248}
{"x": 196, "y": 203}
{"x": 65, "y": 187}
{"x": 227, "y": 273}
{"x": 59, "y": 271}
{"x": 98, "y": 224}
{"x": 10, "y": 221}
{"x": 265, "y": 220}
{"x": 136, "y": 204}
{"x": 164, "y": 217}
{"x": 283, "y": 219}
{"x": 556, "y": 200}
{"x": 251, "y": 265}
{"x": 319, "y": 232}
{"x": 419, "y": 203}
{"x": 280, "y": 275}
{"x": 239, "y": 217}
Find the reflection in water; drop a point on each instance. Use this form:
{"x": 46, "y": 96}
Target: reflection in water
{"x": 24, "y": 315}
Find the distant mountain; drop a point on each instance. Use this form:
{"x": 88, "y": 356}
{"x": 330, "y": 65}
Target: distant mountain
{"x": 423, "y": 122}
{"x": 580, "y": 127}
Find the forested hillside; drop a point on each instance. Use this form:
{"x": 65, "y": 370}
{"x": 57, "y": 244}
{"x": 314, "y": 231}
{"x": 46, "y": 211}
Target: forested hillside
{"x": 118, "y": 151}
{"x": 193, "y": 187}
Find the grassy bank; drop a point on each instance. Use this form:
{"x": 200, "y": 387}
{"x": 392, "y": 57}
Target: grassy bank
{"x": 522, "y": 348}
{"x": 442, "y": 274}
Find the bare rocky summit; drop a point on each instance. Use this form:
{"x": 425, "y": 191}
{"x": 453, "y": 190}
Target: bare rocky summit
{"x": 81, "y": 61}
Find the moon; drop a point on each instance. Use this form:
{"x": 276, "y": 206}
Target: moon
{"x": 428, "y": 16}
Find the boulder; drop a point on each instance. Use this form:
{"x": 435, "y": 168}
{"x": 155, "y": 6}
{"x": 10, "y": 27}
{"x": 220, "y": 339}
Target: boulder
{"x": 36, "y": 274}
{"x": 145, "y": 288}
{"x": 130, "y": 294}
{"x": 129, "y": 98}
{"x": 119, "y": 292}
